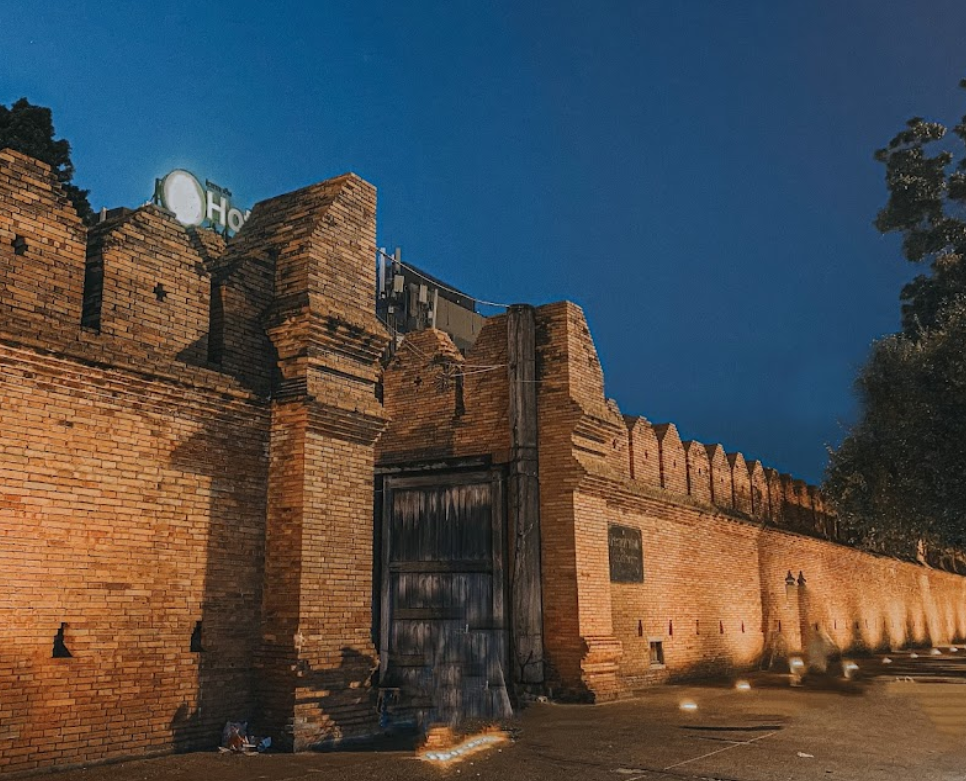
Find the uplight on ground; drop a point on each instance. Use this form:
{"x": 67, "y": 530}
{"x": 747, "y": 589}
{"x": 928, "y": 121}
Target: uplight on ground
{"x": 689, "y": 705}
{"x": 743, "y": 686}
{"x": 462, "y": 750}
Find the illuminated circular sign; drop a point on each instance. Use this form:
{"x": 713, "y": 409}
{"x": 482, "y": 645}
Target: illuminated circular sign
{"x": 185, "y": 196}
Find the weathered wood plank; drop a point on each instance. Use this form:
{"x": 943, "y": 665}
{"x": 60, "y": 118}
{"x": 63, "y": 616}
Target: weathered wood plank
{"x": 523, "y": 500}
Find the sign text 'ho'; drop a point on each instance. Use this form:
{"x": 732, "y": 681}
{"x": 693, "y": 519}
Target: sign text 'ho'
{"x": 195, "y": 204}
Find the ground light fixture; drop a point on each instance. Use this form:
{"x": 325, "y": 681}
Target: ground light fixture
{"x": 466, "y": 748}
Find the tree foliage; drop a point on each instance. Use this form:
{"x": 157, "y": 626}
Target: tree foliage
{"x": 900, "y": 475}
{"x": 30, "y": 129}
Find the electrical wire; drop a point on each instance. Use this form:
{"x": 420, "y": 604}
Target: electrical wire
{"x": 473, "y": 368}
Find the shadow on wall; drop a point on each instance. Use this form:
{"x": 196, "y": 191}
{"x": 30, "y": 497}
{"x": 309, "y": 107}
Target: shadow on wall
{"x": 221, "y": 629}
{"x": 346, "y": 689}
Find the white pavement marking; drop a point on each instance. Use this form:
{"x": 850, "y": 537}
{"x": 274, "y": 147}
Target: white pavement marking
{"x": 718, "y": 751}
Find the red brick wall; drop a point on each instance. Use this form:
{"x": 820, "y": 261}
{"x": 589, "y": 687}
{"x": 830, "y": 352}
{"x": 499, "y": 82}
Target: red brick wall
{"x": 722, "y": 489}
{"x": 559, "y": 470}
{"x": 865, "y": 600}
{"x": 758, "y": 488}
{"x": 325, "y": 421}
{"x": 424, "y": 394}
{"x": 674, "y": 469}
{"x": 644, "y": 451}
{"x": 741, "y": 483}
{"x": 699, "y": 471}
{"x": 152, "y": 283}
{"x": 131, "y": 507}
{"x": 776, "y": 497}
{"x": 442, "y": 404}
{"x": 137, "y": 480}
{"x": 700, "y": 597}
{"x": 44, "y": 283}
{"x": 714, "y": 591}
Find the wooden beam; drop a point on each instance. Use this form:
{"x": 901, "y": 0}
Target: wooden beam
{"x": 523, "y": 502}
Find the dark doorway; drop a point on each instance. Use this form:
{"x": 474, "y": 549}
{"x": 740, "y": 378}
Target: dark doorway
{"x": 443, "y": 635}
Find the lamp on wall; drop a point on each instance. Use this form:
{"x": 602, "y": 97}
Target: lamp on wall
{"x": 789, "y": 579}
{"x": 801, "y": 578}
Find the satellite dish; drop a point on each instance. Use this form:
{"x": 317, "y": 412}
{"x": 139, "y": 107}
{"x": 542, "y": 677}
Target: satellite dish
{"x": 184, "y": 196}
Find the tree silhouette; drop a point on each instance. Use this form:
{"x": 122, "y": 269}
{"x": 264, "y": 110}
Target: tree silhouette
{"x": 30, "y": 129}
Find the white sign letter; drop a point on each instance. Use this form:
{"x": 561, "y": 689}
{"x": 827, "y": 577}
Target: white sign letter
{"x": 213, "y": 207}
{"x": 235, "y": 220}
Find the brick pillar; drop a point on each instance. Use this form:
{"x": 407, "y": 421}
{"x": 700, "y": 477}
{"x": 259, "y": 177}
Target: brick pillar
{"x": 577, "y": 433}
{"x": 318, "y": 654}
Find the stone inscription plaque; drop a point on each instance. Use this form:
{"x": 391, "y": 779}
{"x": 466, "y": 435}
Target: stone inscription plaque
{"x": 626, "y": 554}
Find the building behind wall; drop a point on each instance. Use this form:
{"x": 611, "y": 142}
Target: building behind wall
{"x": 409, "y": 299}
{"x": 191, "y": 445}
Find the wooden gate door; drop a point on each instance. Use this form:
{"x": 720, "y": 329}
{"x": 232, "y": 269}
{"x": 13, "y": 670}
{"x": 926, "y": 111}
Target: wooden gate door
{"x": 444, "y": 645}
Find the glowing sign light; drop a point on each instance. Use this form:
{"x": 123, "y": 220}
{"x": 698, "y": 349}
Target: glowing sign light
{"x": 194, "y": 204}
{"x": 182, "y": 194}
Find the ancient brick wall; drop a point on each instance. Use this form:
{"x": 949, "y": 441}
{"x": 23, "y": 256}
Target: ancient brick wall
{"x": 325, "y": 420}
{"x": 147, "y": 283}
{"x": 758, "y": 489}
{"x": 698, "y": 470}
{"x": 42, "y": 245}
{"x": 714, "y": 593}
{"x": 643, "y": 450}
{"x": 442, "y": 404}
{"x": 740, "y": 483}
{"x": 700, "y": 598}
{"x": 131, "y": 508}
{"x": 191, "y": 519}
{"x": 674, "y": 464}
{"x": 186, "y": 490}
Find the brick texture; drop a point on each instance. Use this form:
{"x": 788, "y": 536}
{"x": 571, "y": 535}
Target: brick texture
{"x": 189, "y": 430}
{"x": 151, "y": 482}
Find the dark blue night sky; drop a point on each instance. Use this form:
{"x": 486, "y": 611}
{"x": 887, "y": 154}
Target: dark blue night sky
{"x": 697, "y": 175}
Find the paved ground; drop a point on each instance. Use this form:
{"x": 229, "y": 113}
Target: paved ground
{"x": 905, "y": 720}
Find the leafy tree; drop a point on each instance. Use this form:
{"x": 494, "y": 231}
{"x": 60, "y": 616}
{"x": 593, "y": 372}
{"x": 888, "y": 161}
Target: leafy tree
{"x": 30, "y": 129}
{"x": 899, "y": 477}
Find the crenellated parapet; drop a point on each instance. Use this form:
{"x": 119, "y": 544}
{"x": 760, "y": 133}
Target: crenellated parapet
{"x": 758, "y": 488}
{"x": 674, "y": 463}
{"x": 741, "y": 483}
{"x": 722, "y": 488}
{"x": 699, "y": 471}
{"x": 706, "y": 474}
{"x": 146, "y": 283}
{"x": 42, "y": 245}
{"x": 643, "y": 451}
